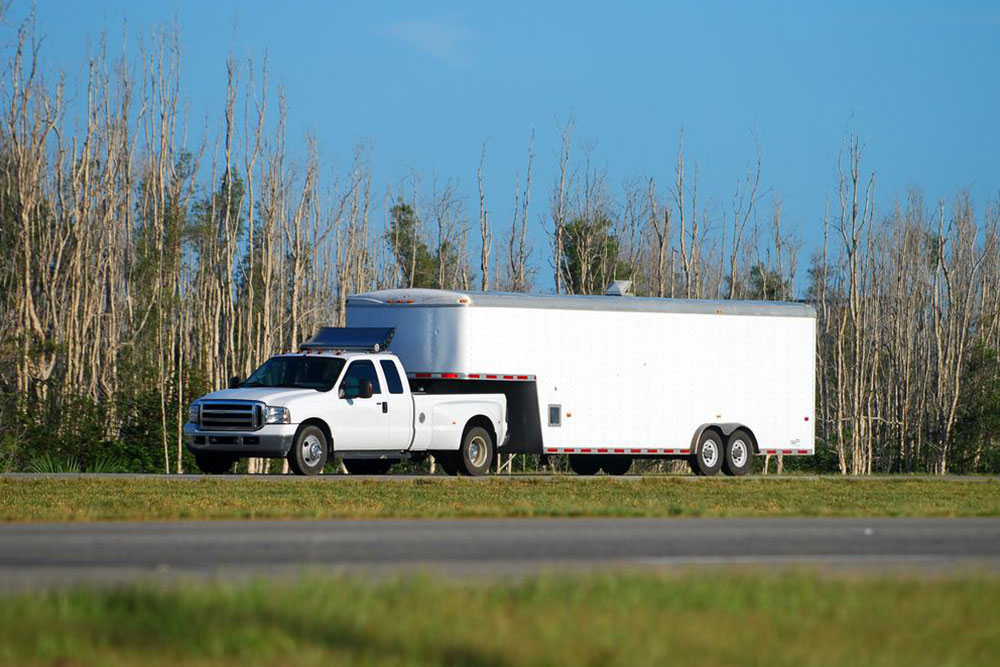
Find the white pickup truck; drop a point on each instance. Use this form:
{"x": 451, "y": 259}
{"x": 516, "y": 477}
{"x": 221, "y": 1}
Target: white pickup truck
{"x": 342, "y": 395}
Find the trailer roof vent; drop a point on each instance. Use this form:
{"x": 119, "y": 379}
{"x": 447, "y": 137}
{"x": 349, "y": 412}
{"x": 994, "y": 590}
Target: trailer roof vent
{"x": 364, "y": 339}
{"x": 619, "y": 288}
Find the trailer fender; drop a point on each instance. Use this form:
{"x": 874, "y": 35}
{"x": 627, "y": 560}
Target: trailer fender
{"x": 726, "y": 430}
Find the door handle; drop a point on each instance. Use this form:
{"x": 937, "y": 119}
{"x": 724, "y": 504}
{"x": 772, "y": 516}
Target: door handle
{"x": 385, "y": 406}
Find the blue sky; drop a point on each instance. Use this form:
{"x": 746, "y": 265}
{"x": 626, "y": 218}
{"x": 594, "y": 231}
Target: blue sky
{"x": 429, "y": 82}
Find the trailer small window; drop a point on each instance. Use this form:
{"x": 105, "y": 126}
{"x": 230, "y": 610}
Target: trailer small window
{"x": 555, "y": 415}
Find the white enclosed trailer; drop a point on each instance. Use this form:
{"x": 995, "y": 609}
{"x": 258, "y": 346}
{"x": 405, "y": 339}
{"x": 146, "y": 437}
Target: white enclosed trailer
{"x": 615, "y": 376}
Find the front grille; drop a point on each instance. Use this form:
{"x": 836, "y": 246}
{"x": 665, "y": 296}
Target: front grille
{"x": 231, "y": 416}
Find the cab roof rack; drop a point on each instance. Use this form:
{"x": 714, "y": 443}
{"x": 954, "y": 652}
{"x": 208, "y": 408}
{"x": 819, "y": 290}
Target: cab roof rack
{"x": 354, "y": 339}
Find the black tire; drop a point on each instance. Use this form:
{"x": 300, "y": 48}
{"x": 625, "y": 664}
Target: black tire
{"x": 707, "y": 459}
{"x": 309, "y": 451}
{"x": 213, "y": 463}
{"x": 616, "y": 464}
{"x": 447, "y": 461}
{"x": 739, "y": 454}
{"x": 584, "y": 464}
{"x": 475, "y": 454}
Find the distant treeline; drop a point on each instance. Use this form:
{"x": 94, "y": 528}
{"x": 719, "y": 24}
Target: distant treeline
{"x": 142, "y": 263}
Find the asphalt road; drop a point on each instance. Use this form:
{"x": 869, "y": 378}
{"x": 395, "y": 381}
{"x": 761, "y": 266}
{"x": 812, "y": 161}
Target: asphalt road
{"x": 33, "y": 555}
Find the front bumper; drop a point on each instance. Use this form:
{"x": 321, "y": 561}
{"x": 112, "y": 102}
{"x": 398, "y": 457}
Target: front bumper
{"x": 271, "y": 440}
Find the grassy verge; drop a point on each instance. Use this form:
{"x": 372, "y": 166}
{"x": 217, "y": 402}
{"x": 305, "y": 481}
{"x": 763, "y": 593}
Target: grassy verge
{"x": 620, "y": 619}
{"x": 91, "y": 499}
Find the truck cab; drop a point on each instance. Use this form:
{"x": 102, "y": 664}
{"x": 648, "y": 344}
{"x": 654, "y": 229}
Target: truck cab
{"x": 343, "y": 395}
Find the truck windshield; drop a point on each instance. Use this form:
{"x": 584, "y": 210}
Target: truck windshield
{"x": 319, "y": 373}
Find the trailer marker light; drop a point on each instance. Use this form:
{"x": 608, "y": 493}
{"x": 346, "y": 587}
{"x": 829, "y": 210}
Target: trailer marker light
{"x": 409, "y": 301}
{"x": 569, "y": 414}
{"x": 807, "y": 418}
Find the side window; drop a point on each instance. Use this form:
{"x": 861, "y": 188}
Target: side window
{"x": 356, "y": 372}
{"x": 391, "y": 377}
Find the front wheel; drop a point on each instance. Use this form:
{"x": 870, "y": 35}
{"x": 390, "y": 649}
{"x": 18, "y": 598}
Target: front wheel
{"x": 476, "y": 452}
{"x": 708, "y": 458}
{"x": 309, "y": 451}
{"x": 212, "y": 463}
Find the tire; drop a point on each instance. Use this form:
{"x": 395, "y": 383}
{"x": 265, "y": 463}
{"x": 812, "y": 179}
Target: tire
{"x": 212, "y": 463}
{"x": 584, "y": 464}
{"x": 309, "y": 451}
{"x": 739, "y": 454}
{"x": 616, "y": 464}
{"x": 708, "y": 459}
{"x": 475, "y": 455}
{"x": 447, "y": 461}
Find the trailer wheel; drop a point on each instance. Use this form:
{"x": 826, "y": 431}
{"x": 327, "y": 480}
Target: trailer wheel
{"x": 616, "y": 464}
{"x": 476, "y": 452}
{"x": 739, "y": 454}
{"x": 708, "y": 459}
{"x": 308, "y": 453}
{"x": 584, "y": 464}
{"x": 211, "y": 463}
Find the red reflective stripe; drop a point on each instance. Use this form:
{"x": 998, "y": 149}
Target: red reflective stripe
{"x": 508, "y": 377}
{"x": 449, "y": 375}
{"x": 803, "y": 451}
{"x": 423, "y": 375}
{"x": 619, "y": 451}
{"x": 491, "y": 377}
{"x": 602, "y": 451}
{"x": 522, "y": 377}
{"x": 474, "y": 376}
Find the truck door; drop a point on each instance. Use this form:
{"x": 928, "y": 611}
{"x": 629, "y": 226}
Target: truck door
{"x": 359, "y": 423}
{"x": 398, "y": 406}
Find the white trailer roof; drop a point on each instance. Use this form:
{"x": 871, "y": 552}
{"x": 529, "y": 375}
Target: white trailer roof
{"x": 418, "y": 297}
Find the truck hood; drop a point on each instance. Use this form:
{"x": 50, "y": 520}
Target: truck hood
{"x": 277, "y": 396}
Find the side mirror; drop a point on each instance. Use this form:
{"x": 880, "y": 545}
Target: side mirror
{"x": 366, "y": 390}
{"x": 235, "y": 381}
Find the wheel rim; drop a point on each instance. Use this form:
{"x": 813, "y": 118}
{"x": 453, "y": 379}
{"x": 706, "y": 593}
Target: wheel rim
{"x": 739, "y": 453}
{"x": 709, "y": 453}
{"x": 478, "y": 451}
{"x": 312, "y": 450}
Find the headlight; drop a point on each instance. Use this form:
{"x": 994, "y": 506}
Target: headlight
{"x": 194, "y": 412}
{"x": 273, "y": 415}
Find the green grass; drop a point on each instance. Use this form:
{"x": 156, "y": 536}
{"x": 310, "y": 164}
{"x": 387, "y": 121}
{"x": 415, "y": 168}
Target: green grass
{"x": 124, "y": 498}
{"x": 794, "y": 618}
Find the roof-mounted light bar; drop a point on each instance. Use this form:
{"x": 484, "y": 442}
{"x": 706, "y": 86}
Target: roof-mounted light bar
{"x": 354, "y": 339}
